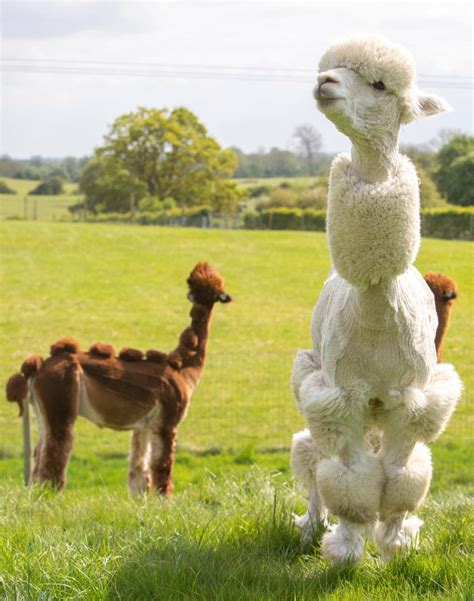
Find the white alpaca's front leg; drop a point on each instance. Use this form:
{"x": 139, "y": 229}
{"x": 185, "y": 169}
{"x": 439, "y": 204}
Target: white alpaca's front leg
{"x": 351, "y": 488}
{"x": 348, "y": 478}
{"x": 303, "y": 460}
{"x": 344, "y": 543}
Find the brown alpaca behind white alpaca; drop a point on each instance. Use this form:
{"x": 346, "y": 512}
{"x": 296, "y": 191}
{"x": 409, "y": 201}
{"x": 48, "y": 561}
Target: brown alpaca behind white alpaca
{"x": 147, "y": 394}
{"x": 445, "y": 292}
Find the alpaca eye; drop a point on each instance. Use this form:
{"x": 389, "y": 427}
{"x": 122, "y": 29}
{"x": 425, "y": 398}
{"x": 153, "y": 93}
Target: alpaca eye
{"x": 378, "y": 85}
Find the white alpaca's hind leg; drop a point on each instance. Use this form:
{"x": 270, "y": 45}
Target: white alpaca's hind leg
{"x": 397, "y": 535}
{"x": 138, "y": 478}
{"x": 304, "y": 459}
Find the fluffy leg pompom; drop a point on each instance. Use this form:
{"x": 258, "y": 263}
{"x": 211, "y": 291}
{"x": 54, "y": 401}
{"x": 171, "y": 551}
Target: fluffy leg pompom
{"x": 351, "y": 492}
{"x": 304, "y": 460}
{"x": 406, "y": 486}
{"x": 344, "y": 543}
{"x": 397, "y": 536}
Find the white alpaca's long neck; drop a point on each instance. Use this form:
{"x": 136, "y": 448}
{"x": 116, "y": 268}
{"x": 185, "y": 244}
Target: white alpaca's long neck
{"x": 374, "y": 163}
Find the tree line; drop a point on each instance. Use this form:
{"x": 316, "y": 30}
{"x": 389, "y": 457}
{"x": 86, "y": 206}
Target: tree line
{"x": 159, "y": 159}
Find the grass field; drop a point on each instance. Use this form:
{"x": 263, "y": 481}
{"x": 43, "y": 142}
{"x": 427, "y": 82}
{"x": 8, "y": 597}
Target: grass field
{"x": 230, "y": 521}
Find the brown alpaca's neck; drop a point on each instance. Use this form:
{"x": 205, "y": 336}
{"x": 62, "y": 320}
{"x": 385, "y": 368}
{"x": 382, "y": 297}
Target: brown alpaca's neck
{"x": 201, "y": 318}
{"x": 191, "y": 351}
{"x": 443, "y": 310}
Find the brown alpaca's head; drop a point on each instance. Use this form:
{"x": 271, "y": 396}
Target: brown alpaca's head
{"x": 206, "y": 286}
{"x": 443, "y": 287}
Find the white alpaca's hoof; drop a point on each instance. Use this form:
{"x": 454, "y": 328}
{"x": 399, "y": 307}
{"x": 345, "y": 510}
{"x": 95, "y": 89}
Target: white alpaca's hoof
{"x": 344, "y": 545}
{"x": 397, "y": 536}
{"x": 310, "y": 528}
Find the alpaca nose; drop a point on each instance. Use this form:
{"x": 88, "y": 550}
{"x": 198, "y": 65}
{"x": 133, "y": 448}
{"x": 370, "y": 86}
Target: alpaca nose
{"x": 323, "y": 78}
{"x": 327, "y": 77}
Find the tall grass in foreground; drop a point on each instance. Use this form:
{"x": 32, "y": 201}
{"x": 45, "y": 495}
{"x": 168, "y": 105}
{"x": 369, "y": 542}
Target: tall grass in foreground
{"x": 230, "y": 539}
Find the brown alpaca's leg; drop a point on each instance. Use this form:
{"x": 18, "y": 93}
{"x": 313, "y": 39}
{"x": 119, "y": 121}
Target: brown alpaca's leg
{"x": 38, "y": 451}
{"x": 163, "y": 448}
{"x": 138, "y": 478}
{"x": 56, "y": 391}
{"x": 55, "y": 454}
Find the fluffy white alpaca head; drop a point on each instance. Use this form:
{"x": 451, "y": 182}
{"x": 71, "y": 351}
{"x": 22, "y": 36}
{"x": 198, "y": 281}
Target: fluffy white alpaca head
{"x": 366, "y": 87}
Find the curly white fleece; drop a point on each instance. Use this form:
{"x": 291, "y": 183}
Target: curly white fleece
{"x": 373, "y": 229}
{"x": 375, "y": 59}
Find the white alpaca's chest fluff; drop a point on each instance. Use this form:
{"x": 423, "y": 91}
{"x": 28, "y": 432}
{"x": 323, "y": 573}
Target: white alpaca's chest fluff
{"x": 376, "y": 340}
{"x": 374, "y": 324}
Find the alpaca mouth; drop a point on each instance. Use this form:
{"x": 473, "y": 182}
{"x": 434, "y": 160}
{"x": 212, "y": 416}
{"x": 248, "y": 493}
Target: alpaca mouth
{"x": 327, "y": 99}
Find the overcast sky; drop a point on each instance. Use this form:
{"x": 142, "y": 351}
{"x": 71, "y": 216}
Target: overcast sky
{"x": 68, "y": 112}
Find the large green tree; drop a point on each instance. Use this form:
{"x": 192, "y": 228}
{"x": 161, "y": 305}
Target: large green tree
{"x": 108, "y": 186}
{"x": 169, "y": 153}
{"x": 454, "y": 175}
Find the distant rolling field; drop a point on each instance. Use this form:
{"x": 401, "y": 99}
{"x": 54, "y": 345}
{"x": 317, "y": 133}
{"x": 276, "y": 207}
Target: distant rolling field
{"x": 46, "y": 208}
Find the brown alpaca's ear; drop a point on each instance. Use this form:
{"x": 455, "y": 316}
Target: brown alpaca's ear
{"x": 224, "y": 298}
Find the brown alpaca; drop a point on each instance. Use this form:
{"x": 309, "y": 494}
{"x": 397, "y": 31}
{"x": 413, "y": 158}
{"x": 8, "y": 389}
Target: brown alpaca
{"x": 148, "y": 394}
{"x": 445, "y": 291}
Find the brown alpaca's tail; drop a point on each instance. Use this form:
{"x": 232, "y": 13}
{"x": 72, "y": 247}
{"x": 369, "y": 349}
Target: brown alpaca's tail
{"x": 17, "y": 385}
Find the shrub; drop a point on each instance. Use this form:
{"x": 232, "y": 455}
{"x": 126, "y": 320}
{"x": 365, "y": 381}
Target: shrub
{"x": 257, "y": 191}
{"x": 153, "y": 203}
{"x": 282, "y": 197}
{"x": 5, "y": 189}
{"x": 50, "y": 186}
{"x": 455, "y": 169}
{"x": 453, "y": 223}
{"x": 429, "y": 194}
{"x": 314, "y": 220}
{"x": 252, "y": 220}
{"x": 283, "y": 218}
{"x": 313, "y": 198}
{"x": 191, "y": 216}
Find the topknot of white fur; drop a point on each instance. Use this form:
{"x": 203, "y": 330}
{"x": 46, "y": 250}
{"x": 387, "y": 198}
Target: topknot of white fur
{"x": 373, "y": 58}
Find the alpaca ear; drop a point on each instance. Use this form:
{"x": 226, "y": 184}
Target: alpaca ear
{"x": 423, "y": 105}
{"x": 224, "y": 298}
{"x": 431, "y": 104}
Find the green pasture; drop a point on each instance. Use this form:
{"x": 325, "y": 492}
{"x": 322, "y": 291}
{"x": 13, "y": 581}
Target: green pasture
{"x": 230, "y": 520}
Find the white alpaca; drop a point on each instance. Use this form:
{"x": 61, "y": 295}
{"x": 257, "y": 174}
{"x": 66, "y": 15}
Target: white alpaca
{"x": 373, "y": 364}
